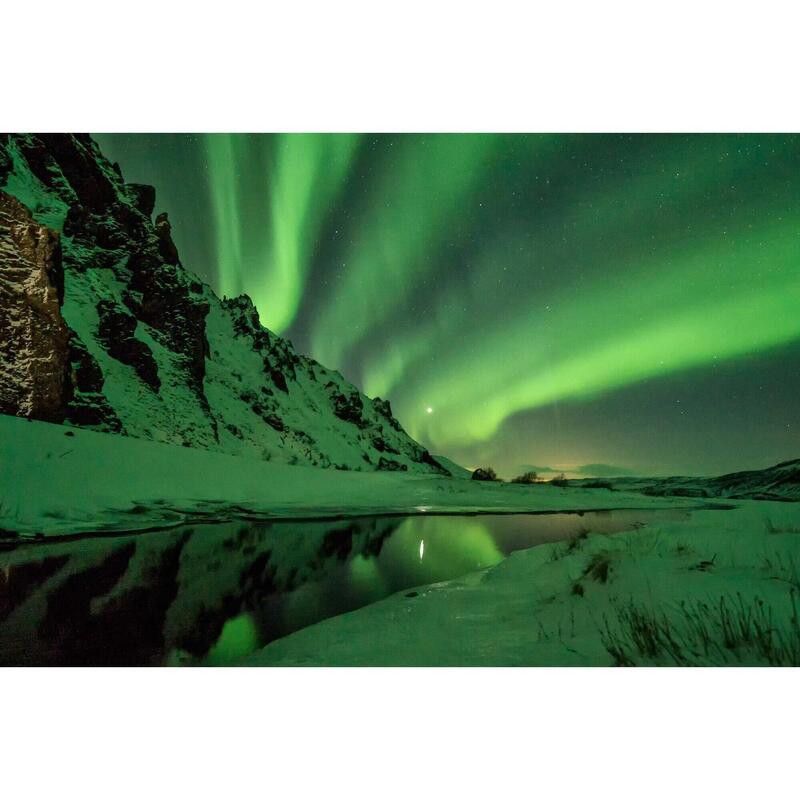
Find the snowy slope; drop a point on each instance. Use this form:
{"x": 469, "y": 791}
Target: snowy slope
{"x": 155, "y": 354}
{"x": 59, "y": 481}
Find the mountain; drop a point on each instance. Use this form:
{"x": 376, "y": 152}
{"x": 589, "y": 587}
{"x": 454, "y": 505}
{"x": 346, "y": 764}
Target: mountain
{"x": 101, "y": 326}
{"x": 781, "y": 482}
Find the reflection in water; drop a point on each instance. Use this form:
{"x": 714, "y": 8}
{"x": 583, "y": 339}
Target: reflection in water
{"x": 215, "y": 593}
{"x": 239, "y": 638}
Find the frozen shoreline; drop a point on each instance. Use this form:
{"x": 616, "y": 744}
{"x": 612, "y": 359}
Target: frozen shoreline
{"x": 719, "y": 589}
{"x": 58, "y": 481}
{"x": 677, "y": 592}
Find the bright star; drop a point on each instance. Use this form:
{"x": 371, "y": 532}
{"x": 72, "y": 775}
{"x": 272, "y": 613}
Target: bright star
{"x": 430, "y": 410}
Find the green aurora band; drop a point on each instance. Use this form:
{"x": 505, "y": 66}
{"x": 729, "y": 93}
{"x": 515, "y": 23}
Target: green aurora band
{"x": 706, "y": 301}
{"x": 486, "y": 276}
{"x": 410, "y": 209}
{"x": 300, "y": 181}
{"x": 600, "y": 338}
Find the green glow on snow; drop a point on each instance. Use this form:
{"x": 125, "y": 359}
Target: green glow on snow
{"x": 238, "y": 638}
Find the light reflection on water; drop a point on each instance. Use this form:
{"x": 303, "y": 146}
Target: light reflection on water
{"x": 212, "y": 594}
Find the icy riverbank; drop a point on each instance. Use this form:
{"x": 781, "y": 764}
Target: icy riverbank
{"x": 60, "y": 481}
{"x": 719, "y": 588}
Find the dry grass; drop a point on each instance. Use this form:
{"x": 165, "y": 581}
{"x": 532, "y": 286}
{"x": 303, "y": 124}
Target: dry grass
{"x": 734, "y": 630}
{"x": 773, "y": 528}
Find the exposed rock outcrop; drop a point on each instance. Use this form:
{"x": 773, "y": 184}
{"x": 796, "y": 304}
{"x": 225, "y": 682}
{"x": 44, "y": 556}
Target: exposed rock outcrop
{"x": 33, "y": 334}
{"x": 86, "y": 405}
{"x": 166, "y": 247}
{"x": 116, "y": 331}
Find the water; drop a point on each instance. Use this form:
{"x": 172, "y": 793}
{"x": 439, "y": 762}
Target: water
{"x": 212, "y": 594}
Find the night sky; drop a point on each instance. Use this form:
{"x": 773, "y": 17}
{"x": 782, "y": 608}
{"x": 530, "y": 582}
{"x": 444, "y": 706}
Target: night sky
{"x": 630, "y": 302}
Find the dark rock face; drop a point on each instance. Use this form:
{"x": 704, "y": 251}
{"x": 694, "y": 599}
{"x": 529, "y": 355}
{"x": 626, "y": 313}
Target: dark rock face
{"x": 69, "y": 163}
{"x": 385, "y": 410}
{"x": 163, "y": 297}
{"x": 84, "y": 400}
{"x": 166, "y": 247}
{"x": 107, "y": 226}
{"x": 380, "y": 444}
{"x": 143, "y": 198}
{"x": 33, "y": 334}
{"x": 278, "y": 357}
{"x": 349, "y": 408}
{"x": 427, "y": 458}
{"x": 391, "y": 466}
{"x": 116, "y": 332}
{"x": 5, "y": 159}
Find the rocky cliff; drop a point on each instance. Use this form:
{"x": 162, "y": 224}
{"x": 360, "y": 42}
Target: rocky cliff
{"x": 102, "y": 326}
{"x": 33, "y": 335}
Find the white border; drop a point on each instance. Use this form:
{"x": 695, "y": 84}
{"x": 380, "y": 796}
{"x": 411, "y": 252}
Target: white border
{"x": 155, "y": 65}
{"x": 399, "y": 733}
{"x": 580, "y": 66}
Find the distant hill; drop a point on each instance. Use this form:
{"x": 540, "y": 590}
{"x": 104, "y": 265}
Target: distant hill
{"x": 589, "y": 470}
{"x": 781, "y": 482}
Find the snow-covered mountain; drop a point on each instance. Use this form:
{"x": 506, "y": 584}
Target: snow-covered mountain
{"x": 101, "y": 326}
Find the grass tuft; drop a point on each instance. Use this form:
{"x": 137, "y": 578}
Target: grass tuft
{"x": 773, "y": 528}
{"x": 599, "y": 568}
{"x": 734, "y": 630}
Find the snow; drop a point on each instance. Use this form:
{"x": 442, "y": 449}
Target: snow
{"x": 47, "y": 207}
{"x": 527, "y": 610}
{"x": 60, "y": 481}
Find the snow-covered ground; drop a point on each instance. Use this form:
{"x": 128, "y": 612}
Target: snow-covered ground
{"x": 59, "y": 481}
{"x": 720, "y": 588}
{"x": 717, "y": 588}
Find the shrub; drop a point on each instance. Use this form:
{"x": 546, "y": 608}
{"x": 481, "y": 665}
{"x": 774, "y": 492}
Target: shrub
{"x": 598, "y": 485}
{"x": 484, "y": 474}
{"x": 560, "y": 480}
{"x": 526, "y": 477}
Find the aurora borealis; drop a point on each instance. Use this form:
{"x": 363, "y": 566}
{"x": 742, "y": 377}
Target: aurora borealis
{"x": 552, "y": 299}
{"x": 305, "y": 172}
